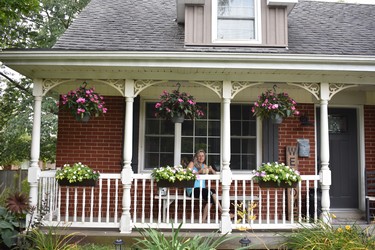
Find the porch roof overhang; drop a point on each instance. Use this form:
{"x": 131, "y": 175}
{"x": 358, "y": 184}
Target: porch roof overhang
{"x": 54, "y": 64}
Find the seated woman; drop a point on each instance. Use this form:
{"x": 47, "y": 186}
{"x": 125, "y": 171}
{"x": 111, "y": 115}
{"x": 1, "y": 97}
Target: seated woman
{"x": 199, "y": 167}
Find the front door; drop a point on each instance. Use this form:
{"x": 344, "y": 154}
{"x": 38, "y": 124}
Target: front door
{"x": 343, "y": 156}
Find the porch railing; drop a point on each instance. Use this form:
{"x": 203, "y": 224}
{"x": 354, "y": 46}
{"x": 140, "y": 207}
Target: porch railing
{"x": 100, "y": 206}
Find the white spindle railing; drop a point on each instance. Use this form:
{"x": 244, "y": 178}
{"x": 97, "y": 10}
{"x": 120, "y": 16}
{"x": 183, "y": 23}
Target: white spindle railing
{"x": 100, "y": 206}
{"x": 71, "y": 205}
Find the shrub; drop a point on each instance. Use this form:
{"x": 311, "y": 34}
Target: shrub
{"x": 156, "y": 240}
{"x": 323, "y": 236}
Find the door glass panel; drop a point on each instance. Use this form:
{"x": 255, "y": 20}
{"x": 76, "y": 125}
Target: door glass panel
{"x": 337, "y": 124}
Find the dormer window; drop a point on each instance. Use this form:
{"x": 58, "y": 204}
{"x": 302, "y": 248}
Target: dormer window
{"x": 236, "y": 21}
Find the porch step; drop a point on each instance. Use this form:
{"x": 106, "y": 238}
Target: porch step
{"x": 348, "y": 216}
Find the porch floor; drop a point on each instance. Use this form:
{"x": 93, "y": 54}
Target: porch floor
{"x": 260, "y": 239}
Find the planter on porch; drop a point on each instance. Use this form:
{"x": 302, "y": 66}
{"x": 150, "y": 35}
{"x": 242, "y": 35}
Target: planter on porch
{"x": 177, "y": 184}
{"x": 83, "y": 183}
{"x": 272, "y": 184}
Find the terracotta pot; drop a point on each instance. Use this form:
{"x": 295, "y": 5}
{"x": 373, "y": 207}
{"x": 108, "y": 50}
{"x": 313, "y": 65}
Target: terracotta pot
{"x": 83, "y": 183}
{"x": 272, "y": 184}
{"x": 178, "y": 184}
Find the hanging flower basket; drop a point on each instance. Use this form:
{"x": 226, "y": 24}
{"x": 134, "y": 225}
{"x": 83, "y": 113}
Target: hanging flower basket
{"x": 177, "y": 104}
{"x": 83, "y": 103}
{"x": 275, "y": 106}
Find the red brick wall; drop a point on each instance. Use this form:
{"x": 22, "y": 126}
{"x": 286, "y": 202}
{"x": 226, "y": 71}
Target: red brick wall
{"x": 291, "y": 129}
{"x": 369, "y": 117}
{"x": 97, "y": 143}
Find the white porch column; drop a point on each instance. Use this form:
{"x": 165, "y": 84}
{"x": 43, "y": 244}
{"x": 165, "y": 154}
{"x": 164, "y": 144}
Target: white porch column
{"x": 325, "y": 172}
{"x": 127, "y": 172}
{"x": 177, "y": 143}
{"x": 34, "y": 170}
{"x": 226, "y": 173}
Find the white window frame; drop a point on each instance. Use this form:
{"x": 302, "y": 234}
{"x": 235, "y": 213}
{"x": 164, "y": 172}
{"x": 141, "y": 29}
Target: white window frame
{"x": 142, "y": 127}
{"x": 258, "y": 27}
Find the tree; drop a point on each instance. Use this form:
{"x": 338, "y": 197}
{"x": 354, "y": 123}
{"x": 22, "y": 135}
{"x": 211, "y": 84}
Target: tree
{"x": 29, "y": 24}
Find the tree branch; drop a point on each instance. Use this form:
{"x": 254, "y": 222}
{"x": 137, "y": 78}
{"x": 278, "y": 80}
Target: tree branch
{"x": 16, "y": 84}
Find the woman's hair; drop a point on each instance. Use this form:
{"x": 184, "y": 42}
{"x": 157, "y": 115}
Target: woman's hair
{"x": 195, "y": 159}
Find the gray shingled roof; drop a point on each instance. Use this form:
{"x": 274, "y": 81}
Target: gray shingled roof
{"x": 150, "y": 25}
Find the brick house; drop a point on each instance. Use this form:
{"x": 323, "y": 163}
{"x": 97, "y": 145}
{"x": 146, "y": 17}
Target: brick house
{"x": 225, "y": 53}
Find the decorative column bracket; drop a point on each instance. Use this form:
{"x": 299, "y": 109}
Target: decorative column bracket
{"x": 48, "y": 84}
{"x": 140, "y": 85}
{"x": 215, "y": 86}
{"x": 238, "y": 86}
{"x": 314, "y": 88}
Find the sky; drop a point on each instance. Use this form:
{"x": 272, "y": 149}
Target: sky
{"x": 350, "y": 1}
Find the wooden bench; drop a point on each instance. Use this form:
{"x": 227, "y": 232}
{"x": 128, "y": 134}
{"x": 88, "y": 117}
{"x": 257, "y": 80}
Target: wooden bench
{"x": 173, "y": 197}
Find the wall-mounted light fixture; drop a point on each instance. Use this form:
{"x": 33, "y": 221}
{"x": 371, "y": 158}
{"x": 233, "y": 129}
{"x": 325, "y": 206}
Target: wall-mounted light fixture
{"x": 304, "y": 119}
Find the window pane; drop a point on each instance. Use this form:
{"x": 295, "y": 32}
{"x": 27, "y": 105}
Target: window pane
{"x": 235, "y": 127}
{"x": 214, "y": 145}
{"x": 248, "y": 128}
{"x": 214, "y": 128}
{"x": 150, "y": 110}
{"x": 249, "y": 146}
{"x": 214, "y": 109}
{"x": 200, "y": 143}
{"x": 214, "y": 160}
{"x": 187, "y": 144}
{"x": 248, "y": 162}
{"x": 167, "y": 144}
{"x": 242, "y": 8}
{"x": 152, "y": 126}
{"x": 235, "y": 112}
{"x": 167, "y": 127}
{"x": 235, "y": 145}
{"x": 187, "y": 127}
{"x": 166, "y": 159}
{"x": 200, "y": 128}
{"x": 152, "y": 144}
{"x": 151, "y": 160}
{"x": 228, "y": 29}
{"x": 235, "y": 162}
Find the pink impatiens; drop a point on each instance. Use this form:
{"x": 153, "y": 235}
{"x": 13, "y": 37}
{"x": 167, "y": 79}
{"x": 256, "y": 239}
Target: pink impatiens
{"x": 83, "y": 102}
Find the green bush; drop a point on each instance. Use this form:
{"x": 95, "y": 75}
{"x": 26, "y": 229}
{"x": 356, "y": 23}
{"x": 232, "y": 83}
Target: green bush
{"x": 156, "y": 240}
{"x": 9, "y": 225}
{"x": 326, "y": 237}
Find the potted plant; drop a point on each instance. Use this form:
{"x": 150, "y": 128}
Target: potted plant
{"x": 176, "y": 176}
{"x": 276, "y": 174}
{"x": 83, "y": 103}
{"x": 177, "y": 105}
{"x": 77, "y": 175}
{"x": 275, "y": 106}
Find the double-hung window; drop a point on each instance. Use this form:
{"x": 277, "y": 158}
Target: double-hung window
{"x": 236, "y": 21}
{"x": 204, "y": 133}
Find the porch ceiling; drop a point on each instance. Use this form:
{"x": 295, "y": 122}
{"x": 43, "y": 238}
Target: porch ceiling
{"x": 191, "y": 66}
